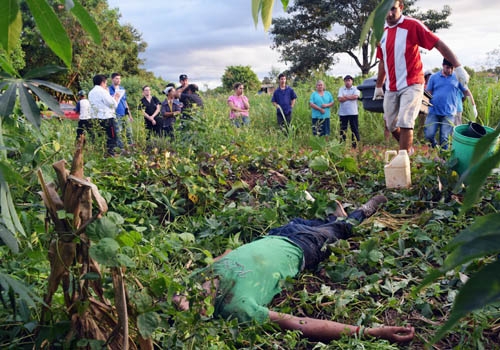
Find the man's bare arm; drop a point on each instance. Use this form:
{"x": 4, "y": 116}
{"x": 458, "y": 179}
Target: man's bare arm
{"x": 325, "y": 331}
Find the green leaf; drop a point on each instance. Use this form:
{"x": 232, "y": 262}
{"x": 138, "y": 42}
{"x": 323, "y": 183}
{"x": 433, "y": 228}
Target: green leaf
{"x": 87, "y": 22}
{"x": 142, "y": 301}
{"x": 116, "y": 218}
{"x": 10, "y": 24}
{"x": 8, "y": 100}
{"x": 53, "y": 86}
{"x": 483, "y": 226}
{"x": 480, "y": 239}
{"x": 13, "y": 215}
{"x": 238, "y": 185}
{"x": 480, "y": 168}
{"x": 7, "y": 66}
{"x": 51, "y": 29}
{"x": 24, "y": 292}
{"x": 267, "y": 13}
{"x": 46, "y": 98}
{"x": 482, "y": 289}
{"x": 158, "y": 286}
{"x": 104, "y": 252}
{"x": 256, "y": 5}
{"x": 147, "y": 323}
{"x": 477, "y": 177}
{"x": 125, "y": 260}
{"x": 375, "y": 24}
{"x": 28, "y": 105}
{"x": 319, "y": 164}
{"x": 102, "y": 228}
{"x": 4, "y": 202}
{"x": 285, "y": 4}
{"x": 9, "y": 239}
{"x": 42, "y": 72}
{"x": 349, "y": 164}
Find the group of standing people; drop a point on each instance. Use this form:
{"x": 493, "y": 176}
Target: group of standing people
{"x": 401, "y": 70}
{"x": 180, "y": 103}
{"x": 322, "y": 100}
{"x": 108, "y": 105}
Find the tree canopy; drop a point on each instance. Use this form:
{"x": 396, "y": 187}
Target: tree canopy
{"x": 315, "y": 31}
{"x": 118, "y": 50}
{"x": 240, "y": 74}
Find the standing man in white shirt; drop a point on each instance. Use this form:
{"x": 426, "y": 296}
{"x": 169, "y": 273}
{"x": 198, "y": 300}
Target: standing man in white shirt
{"x": 102, "y": 106}
{"x": 348, "y": 110}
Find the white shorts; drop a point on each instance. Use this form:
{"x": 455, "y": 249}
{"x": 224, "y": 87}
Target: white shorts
{"x": 401, "y": 107}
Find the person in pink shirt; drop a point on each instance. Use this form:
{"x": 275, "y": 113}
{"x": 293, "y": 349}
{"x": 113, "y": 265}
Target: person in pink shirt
{"x": 400, "y": 67}
{"x": 239, "y": 106}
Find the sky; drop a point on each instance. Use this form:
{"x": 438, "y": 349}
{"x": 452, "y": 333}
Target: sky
{"x": 201, "y": 38}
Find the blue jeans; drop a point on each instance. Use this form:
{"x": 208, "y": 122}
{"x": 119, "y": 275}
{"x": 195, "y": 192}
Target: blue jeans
{"x": 312, "y": 236}
{"x": 244, "y": 120}
{"x": 445, "y": 125}
{"x": 321, "y": 127}
{"x": 122, "y": 122}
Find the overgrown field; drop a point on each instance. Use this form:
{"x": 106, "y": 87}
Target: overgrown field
{"x": 180, "y": 204}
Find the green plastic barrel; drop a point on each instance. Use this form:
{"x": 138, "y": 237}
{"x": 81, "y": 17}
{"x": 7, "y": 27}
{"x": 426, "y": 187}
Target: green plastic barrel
{"x": 463, "y": 146}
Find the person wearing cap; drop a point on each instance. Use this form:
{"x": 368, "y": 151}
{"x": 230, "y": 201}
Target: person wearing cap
{"x": 400, "y": 67}
{"x": 84, "y": 118}
{"x": 348, "y": 111}
{"x": 444, "y": 87}
{"x": 102, "y": 107}
{"x": 191, "y": 101}
{"x": 320, "y": 102}
{"x": 169, "y": 112}
{"x": 283, "y": 99}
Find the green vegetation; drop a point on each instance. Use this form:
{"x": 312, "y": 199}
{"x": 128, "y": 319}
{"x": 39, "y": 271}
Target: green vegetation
{"x": 175, "y": 206}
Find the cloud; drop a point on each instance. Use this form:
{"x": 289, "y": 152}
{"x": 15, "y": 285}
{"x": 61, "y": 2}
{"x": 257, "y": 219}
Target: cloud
{"x": 201, "y": 38}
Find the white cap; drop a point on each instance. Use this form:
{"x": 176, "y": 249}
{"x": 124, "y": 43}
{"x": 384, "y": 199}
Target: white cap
{"x": 167, "y": 89}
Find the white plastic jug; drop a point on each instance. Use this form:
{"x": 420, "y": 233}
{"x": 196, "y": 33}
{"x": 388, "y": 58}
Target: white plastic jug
{"x": 397, "y": 169}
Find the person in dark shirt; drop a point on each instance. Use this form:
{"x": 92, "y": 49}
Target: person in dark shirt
{"x": 150, "y": 107}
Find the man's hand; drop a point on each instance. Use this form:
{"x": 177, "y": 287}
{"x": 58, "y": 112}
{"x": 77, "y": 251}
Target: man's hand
{"x": 378, "y": 94}
{"x": 462, "y": 75}
{"x": 393, "y": 334}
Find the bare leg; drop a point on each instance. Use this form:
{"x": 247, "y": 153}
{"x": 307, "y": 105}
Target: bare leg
{"x": 406, "y": 140}
{"x": 396, "y": 134}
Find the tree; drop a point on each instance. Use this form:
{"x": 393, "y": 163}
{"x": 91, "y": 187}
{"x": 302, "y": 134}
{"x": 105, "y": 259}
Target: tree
{"x": 316, "y": 30}
{"x": 118, "y": 51}
{"x": 240, "y": 74}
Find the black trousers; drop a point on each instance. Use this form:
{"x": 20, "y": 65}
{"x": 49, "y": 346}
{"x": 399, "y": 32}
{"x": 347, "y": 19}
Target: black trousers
{"x": 352, "y": 120}
{"x": 108, "y": 125}
{"x": 312, "y": 236}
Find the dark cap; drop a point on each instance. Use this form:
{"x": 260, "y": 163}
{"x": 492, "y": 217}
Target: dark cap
{"x": 183, "y": 77}
{"x": 447, "y": 63}
{"x": 347, "y": 77}
{"x": 81, "y": 93}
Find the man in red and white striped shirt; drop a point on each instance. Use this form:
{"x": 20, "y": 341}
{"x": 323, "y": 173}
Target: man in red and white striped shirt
{"x": 401, "y": 68}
